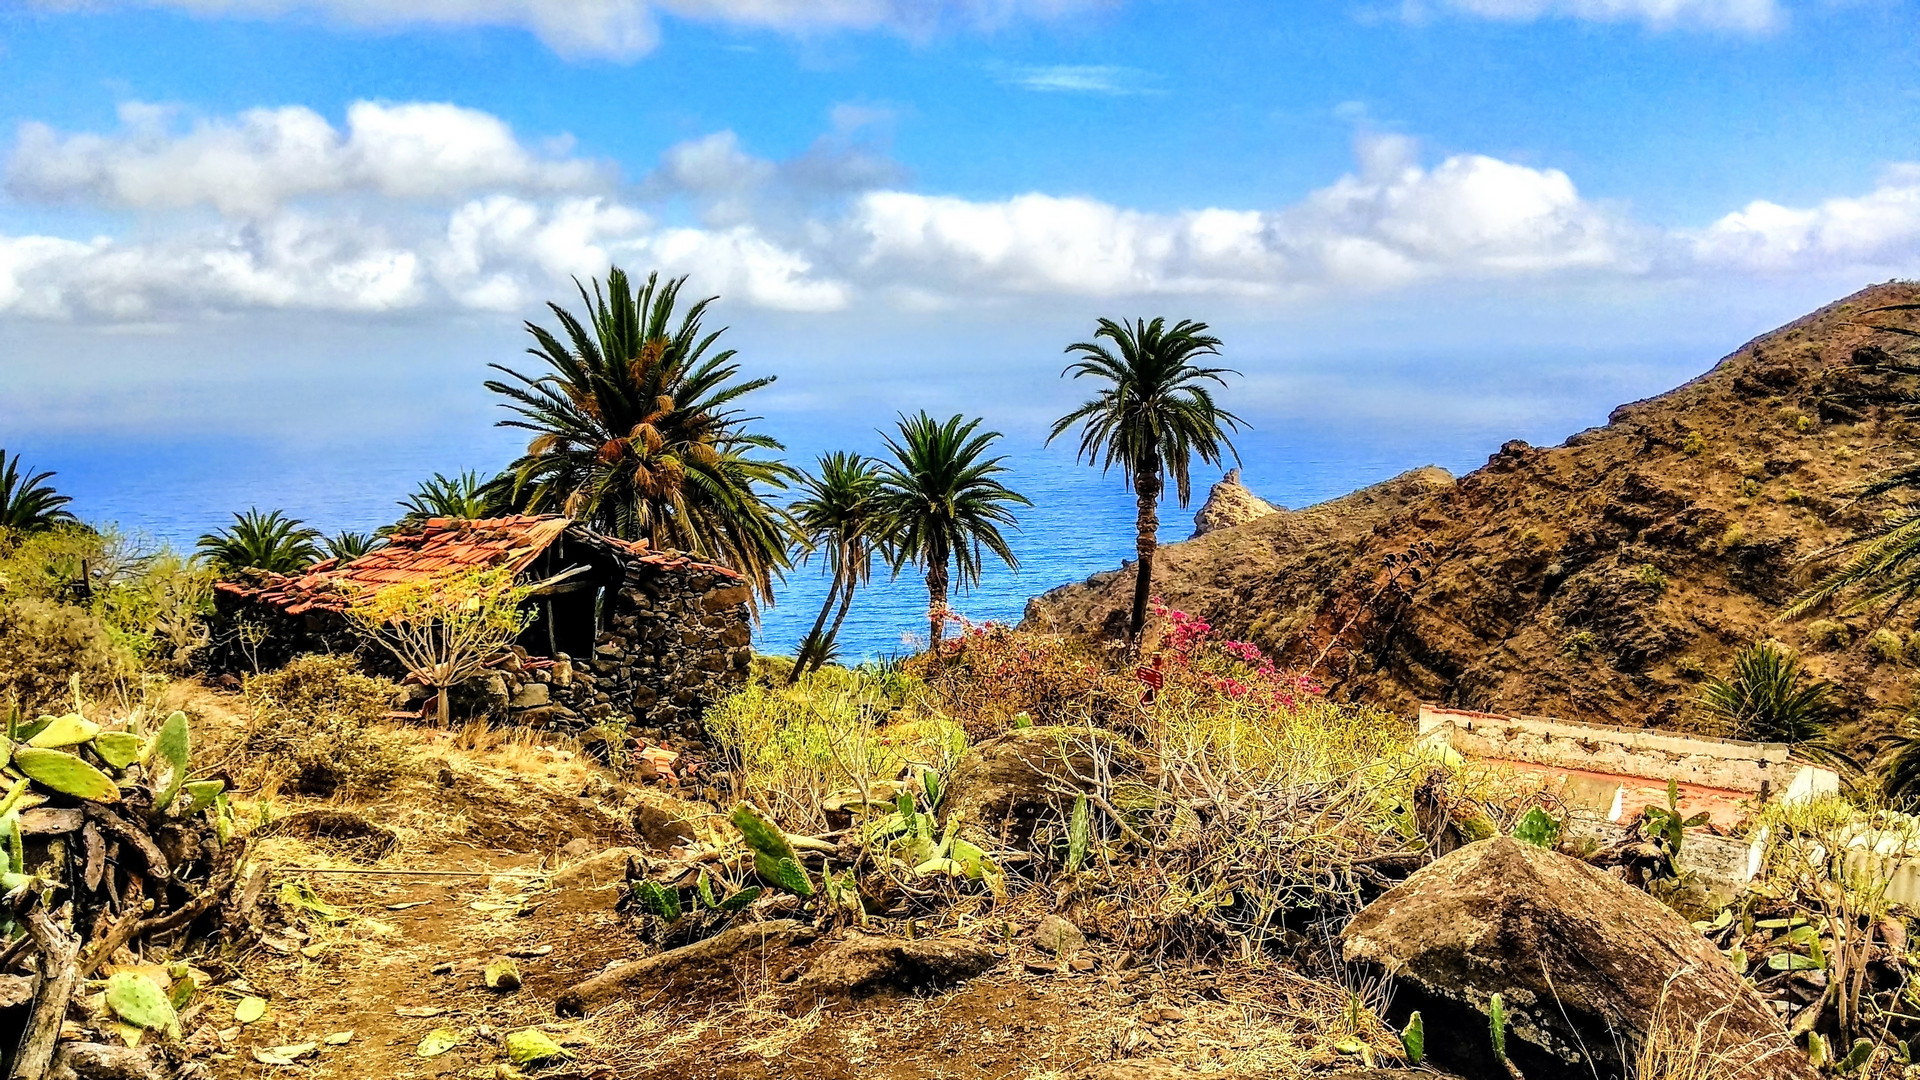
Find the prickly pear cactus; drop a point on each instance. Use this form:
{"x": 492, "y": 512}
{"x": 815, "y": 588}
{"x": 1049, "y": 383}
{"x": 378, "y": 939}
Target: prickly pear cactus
{"x": 773, "y": 858}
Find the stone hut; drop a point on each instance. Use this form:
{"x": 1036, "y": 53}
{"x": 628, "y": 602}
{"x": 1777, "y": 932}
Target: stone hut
{"x": 649, "y": 637}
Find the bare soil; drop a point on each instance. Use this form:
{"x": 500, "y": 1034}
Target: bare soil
{"x": 487, "y": 817}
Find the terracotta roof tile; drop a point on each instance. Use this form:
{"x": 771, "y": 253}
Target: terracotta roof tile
{"x": 439, "y": 547}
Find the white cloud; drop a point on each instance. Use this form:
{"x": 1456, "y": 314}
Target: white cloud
{"x": 1080, "y": 79}
{"x": 1880, "y": 229}
{"x": 1749, "y": 16}
{"x": 1390, "y": 223}
{"x": 290, "y": 262}
{"x": 617, "y": 29}
{"x": 263, "y": 158}
{"x": 419, "y": 208}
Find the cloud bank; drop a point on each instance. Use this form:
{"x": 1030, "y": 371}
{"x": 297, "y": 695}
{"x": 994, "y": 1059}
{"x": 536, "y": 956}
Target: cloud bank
{"x": 615, "y": 29}
{"x": 414, "y": 208}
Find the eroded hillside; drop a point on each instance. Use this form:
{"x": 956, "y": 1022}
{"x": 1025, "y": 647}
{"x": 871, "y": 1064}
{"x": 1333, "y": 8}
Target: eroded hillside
{"x": 1600, "y": 579}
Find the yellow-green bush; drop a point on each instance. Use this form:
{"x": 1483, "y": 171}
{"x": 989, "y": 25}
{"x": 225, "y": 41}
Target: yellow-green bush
{"x": 150, "y": 602}
{"x": 1828, "y": 634}
{"x": 45, "y": 645}
{"x": 835, "y": 730}
{"x": 1886, "y": 646}
{"x": 318, "y": 723}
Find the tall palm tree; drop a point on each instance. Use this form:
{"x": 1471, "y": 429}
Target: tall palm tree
{"x": 944, "y": 506}
{"x": 839, "y": 516}
{"x": 255, "y": 541}
{"x": 1153, "y": 417}
{"x": 636, "y": 432}
{"x": 27, "y": 503}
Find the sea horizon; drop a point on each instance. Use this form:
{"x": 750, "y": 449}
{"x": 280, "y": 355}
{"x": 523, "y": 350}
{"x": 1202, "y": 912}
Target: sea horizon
{"x": 1081, "y": 523}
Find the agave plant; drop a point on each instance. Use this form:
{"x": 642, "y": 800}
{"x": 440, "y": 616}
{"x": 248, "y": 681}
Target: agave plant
{"x": 271, "y": 541}
{"x": 27, "y": 503}
{"x": 1770, "y": 697}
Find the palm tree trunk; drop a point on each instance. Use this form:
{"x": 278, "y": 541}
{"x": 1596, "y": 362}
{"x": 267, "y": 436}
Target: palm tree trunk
{"x": 1146, "y": 489}
{"x": 846, "y": 601}
{"x": 800, "y": 662}
{"x": 936, "y": 600}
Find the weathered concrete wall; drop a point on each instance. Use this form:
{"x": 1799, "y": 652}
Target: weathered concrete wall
{"x": 1756, "y": 768}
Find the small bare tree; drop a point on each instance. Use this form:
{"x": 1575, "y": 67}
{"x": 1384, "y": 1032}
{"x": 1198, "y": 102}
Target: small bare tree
{"x": 445, "y": 630}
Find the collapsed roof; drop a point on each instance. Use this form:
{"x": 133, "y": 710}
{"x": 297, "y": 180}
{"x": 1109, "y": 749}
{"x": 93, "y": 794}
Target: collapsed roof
{"x": 438, "y": 547}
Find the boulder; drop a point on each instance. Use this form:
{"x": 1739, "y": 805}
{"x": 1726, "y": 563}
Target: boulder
{"x": 1059, "y": 937}
{"x": 1006, "y": 785}
{"x": 532, "y": 696}
{"x": 1585, "y": 964}
{"x": 665, "y": 822}
{"x": 595, "y": 882}
{"x": 712, "y": 969}
{"x": 864, "y": 964}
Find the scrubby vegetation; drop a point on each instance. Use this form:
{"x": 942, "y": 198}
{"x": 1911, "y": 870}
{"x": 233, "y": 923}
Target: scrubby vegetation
{"x": 318, "y": 726}
{"x": 92, "y": 605}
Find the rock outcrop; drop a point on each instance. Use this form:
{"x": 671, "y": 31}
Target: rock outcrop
{"x": 1006, "y": 785}
{"x": 1229, "y": 503}
{"x": 863, "y": 964}
{"x": 1581, "y": 960}
{"x": 1596, "y": 580}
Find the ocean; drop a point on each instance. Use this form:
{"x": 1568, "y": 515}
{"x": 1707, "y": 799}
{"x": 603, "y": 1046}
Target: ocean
{"x": 1081, "y": 521}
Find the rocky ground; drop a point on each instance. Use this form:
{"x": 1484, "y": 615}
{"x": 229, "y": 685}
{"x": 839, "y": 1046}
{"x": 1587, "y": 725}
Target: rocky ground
{"x": 1596, "y": 580}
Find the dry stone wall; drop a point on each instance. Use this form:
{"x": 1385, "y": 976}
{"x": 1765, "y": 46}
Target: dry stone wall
{"x": 677, "y": 641}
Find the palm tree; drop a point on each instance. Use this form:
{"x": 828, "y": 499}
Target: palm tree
{"x": 28, "y": 504}
{"x": 944, "y": 506}
{"x": 345, "y": 546}
{"x": 635, "y": 431}
{"x": 271, "y": 541}
{"x": 1770, "y": 697}
{"x": 462, "y": 495}
{"x": 1153, "y": 417}
{"x": 839, "y": 515}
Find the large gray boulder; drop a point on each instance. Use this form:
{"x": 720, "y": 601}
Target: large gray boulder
{"x": 1006, "y": 785}
{"x": 1585, "y": 965}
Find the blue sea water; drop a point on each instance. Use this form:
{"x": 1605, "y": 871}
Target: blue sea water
{"x": 1081, "y": 521}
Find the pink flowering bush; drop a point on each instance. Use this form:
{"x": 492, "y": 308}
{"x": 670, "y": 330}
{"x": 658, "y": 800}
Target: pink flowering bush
{"x": 1190, "y": 659}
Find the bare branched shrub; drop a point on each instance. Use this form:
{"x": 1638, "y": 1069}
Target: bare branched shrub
{"x": 44, "y": 645}
{"x": 318, "y": 724}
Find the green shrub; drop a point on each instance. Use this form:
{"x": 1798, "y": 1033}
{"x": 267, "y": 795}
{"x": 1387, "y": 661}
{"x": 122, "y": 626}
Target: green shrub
{"x": 320, "y": 724}
{"x": 1886, "y": 647}
{"x": 1690, "y": 667}
{"x": 151, "y": 601}
{"x": 1580, "y": 644}
{"x": 1826, "y": 634}
{"x": 834, "y": 731}
{"x": 1652, "y": 577}
{"x": 1695, "y": 444}
{"x": 44, "y": 645}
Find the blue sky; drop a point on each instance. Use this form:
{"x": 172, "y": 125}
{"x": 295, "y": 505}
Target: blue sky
{"x": 230, "y": 227}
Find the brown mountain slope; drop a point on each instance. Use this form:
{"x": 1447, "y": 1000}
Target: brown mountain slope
{"x": 1596, "y": 580}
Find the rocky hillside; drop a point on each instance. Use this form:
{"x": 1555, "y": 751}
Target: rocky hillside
{"x": 1597, "y": 580}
